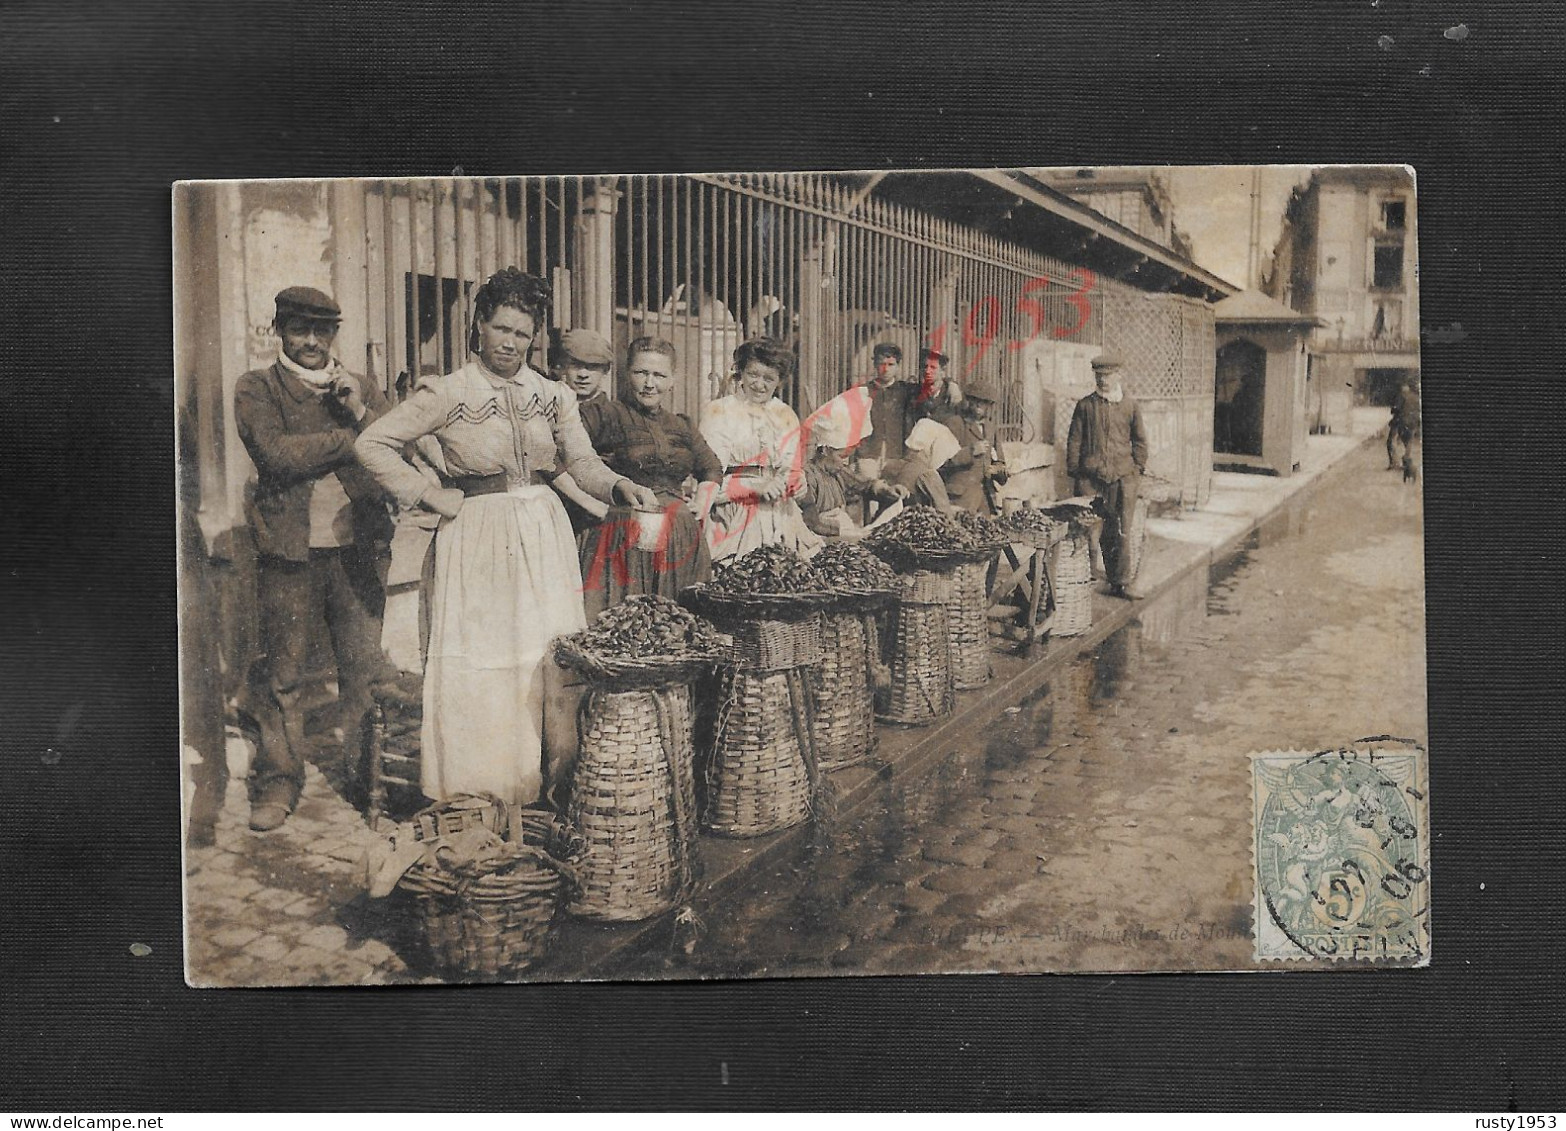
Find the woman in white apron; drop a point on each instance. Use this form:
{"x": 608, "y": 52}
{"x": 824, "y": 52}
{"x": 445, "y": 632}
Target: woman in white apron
{"x": 506, "y": 580}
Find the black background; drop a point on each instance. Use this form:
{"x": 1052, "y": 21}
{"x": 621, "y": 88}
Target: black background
{"x": 104, "y": 105}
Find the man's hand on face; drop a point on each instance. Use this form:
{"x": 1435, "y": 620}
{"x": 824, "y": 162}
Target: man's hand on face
{"x": 348, "y": 392}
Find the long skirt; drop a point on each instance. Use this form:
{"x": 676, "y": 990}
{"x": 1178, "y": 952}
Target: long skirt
{"x": 505, "y": 585}
{"x": 737, "y": 528}
{"x": 614, "y": 569}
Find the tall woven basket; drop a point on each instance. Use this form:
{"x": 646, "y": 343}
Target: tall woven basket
{"x": 633, "y": 797}
{"x": 966, "y": 614}
{"x": 920, "y": 688}
{"x": 1073, "y": 584}
{"x": 843, "y": 725}
{"x": 763, "y": 774}
{"x": 1136, "y": 538}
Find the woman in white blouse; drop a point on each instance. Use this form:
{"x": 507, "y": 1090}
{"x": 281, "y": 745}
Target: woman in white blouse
{"x": 757, "y": 438}
{"x": 506, "y": 578}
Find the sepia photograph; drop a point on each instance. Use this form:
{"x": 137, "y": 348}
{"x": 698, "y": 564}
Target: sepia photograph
{"x": 755, "y": 575}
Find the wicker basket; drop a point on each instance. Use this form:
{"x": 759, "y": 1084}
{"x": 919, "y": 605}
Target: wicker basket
{"x": 1136, "y": 538}
{"x": 774, "y": 645}
{"x": 728, "y": 608}
{"x": 967, "y": 619}
{"x": 920, "y": 689}
{"x": 1073, "y": 585}
{"x": 763, "y": 775}
{"x": 629, "y": 673}
{"x": 1038, "y": 539}
{"x": 493, "y": 918}
{"x": 633, "y": 796}
{"x": 844, "y": 722}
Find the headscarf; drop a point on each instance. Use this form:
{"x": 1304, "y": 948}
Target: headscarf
{"x": 842, "y": 422}
{"x": 934, "y": 437}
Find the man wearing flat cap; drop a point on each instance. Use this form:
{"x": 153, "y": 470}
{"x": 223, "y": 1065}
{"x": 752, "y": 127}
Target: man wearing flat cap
{"x": 322, "y": 532}
{"x": 1106, "y": 454}
{"x": 971, "y": 475}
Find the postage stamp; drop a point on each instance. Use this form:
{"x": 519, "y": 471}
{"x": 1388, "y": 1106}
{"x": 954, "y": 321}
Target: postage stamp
{"x": 1342, "y": 854}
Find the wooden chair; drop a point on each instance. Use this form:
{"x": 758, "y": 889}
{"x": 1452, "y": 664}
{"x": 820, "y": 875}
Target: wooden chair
{"x": 396, "y": 725}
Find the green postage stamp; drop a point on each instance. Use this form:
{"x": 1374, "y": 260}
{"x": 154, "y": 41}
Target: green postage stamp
{"x": 1342, "y": 852}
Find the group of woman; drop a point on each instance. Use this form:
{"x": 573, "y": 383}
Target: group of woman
{"x": 500, "y": 444}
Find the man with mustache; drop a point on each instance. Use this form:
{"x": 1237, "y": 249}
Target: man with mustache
{"x": 322, "y": 534}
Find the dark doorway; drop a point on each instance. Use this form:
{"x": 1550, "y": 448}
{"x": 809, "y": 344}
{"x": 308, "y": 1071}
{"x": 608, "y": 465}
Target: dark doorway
{"x": 1381, "y": 385}
{"x": 1240, "y": 387}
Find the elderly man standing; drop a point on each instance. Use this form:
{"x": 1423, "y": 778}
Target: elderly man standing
{"x": 322, "y": 533}
{"x": 1106, "y": 454}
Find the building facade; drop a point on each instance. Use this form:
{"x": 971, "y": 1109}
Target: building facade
{"x": 1020, "y": 285}
{"x": 1348, "y": 258}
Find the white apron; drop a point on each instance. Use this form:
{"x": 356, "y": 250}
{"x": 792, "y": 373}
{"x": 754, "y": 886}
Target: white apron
{"x": 506, "y": 584}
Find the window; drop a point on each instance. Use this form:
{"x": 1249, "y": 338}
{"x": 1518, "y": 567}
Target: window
{"x": 1388, "y": 267}
{"x": 1387, "y": 325}
{"x": 1394, "y": 215}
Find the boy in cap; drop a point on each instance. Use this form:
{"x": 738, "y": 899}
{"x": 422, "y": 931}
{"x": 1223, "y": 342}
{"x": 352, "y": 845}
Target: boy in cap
{"x": 322, "y": 533}
{"x": 1106, "y": 454}
{"x": 581, "y": 360}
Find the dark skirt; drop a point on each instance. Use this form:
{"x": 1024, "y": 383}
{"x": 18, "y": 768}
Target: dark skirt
{"x": 614, "y": 569}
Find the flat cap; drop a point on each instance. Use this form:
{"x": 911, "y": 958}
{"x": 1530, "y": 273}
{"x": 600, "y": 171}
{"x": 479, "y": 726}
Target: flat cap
{"x": 980, "y": 391}
{"x": 1108, "y": 361}
{"x": 587, "y": 346}
{"x": 307, "y": 302}
{"x": 936, "y": 356}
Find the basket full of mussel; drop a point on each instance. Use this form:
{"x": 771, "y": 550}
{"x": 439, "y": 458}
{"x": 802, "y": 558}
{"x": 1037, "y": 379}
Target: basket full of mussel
{"x": 858, "y": 580}
{"x": 771, "y": 583}
{"x": 769, "y": 602}
{"x": 923, "y": 538}
{"x": 645, "y": 641}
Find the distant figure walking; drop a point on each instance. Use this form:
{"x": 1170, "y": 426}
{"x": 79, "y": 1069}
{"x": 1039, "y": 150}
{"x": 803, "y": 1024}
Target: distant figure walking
{"x": 1403, "y": 431}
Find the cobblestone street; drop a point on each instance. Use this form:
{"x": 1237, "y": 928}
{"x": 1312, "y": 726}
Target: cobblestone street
{"x": 1102, "y": 824}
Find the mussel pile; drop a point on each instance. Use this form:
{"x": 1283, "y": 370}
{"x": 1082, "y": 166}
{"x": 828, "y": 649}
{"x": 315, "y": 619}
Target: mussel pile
{"x": 845, "y": 566}
{"x": 645, "y": 626}
{"x": 925, "y": 530}
{"x": 767, "y": 569}
{"x": 981, "y": 526}
{"x": 1034, "y": 523}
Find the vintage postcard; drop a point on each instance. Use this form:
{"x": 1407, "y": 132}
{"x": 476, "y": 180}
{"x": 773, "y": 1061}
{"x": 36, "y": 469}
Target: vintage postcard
{"x": 774, "y": 574}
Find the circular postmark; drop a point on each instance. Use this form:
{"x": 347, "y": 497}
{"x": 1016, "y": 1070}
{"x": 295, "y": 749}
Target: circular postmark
{"x": 1340, "y": 854}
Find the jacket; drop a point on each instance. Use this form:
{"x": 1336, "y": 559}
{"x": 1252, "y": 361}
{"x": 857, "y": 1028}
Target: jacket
{"x": 296, "y": 436}
{"x": 965, "y": 475}
{"x": 891, "y": 416}
{"x": 1107, "y": 441}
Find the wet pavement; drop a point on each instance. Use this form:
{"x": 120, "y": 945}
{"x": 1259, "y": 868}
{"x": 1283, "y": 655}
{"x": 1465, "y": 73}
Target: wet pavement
{"x": 1104, "y": 823}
